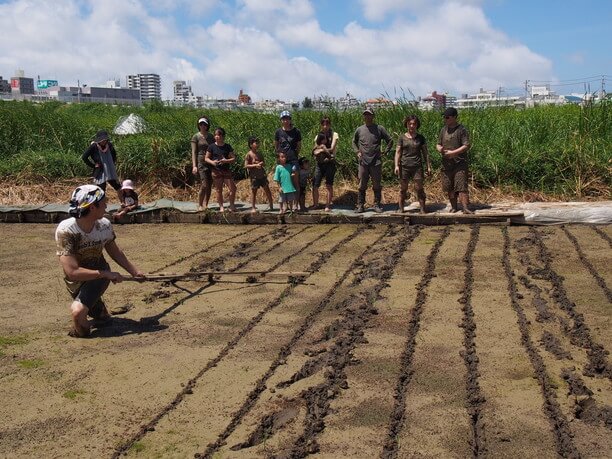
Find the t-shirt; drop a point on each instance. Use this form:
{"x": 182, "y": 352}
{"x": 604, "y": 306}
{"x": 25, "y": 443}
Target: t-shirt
{"x": 202, "y": 143}
{"x": 367, "y": 139}
{"x": 220, "y": 152}
{"x": 87, "y": 248}
{"x": 411, "y": 150}
{"x": 451, "y": 139}
{"x": 255, "y": 172}
{"x": 288, "y": 142}
{"x": 282, "y": 175}
{"x": 130, "y": 197}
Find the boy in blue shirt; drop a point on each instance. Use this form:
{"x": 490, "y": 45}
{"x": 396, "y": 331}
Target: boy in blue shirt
{"x": 284, "y": 175}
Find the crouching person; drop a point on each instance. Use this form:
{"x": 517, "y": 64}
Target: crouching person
{"x": 80, "y": 241}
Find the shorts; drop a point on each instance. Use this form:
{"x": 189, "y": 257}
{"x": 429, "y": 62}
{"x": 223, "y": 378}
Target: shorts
{"x": 412, "y": 173}
{"x": 258, "y": 182}
{"x": 205, "y": 173}
{"x": 327, "y": 170}
{"x": 286, "y": 197}
{"x": 455, "y": 180}
{"x": 90, "y": 293}
{"x": 222, "y": 174}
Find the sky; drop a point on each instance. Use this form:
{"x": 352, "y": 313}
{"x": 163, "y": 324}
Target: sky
{"x": 291, "y": 49}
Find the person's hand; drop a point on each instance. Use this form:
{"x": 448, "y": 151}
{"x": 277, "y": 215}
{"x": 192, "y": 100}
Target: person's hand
{"x": 397, "y": 170}
{"x": 428, "y": 171}
{"x": 440, "y": 149}
{"x": 138, "y": 274}
{"x": 98, "y": 165}
{"x": 194, "y": 170}
{"x": 359, "y": 155}
{"x": 112, "y": 276}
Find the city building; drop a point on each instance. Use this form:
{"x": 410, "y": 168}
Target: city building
{"x": 5, "y": 86}
{"x": 434, "y": 101}
{"x": 149, "y": 85}
{"x": 243, "y": 98}
{"x": 488, "y": 99}
{"x": 21, "y": 85}
{"x": 182, "y": 93}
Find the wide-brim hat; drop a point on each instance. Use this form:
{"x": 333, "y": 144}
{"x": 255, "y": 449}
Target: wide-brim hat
{"x": 127, "y": 185}
{"x": 101, "y": 135}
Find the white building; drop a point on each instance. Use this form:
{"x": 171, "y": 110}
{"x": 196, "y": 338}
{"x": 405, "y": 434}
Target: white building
{"x": 148, "y": 83}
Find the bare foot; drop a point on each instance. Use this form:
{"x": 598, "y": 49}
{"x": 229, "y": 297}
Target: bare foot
{"x": 221, "y": 209}
{"x": 328, "y": 209}
{"x": 254, "y": 210}
{"x": 232, "y": 209}
{"x": 453, "y": 210}
{"x": 201, "y": 208}
{"x": 467, "y": 211}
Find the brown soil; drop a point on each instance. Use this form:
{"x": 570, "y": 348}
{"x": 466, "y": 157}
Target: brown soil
{"x": 397, "y": 342}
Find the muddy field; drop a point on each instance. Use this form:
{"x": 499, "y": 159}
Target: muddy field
{"x": 398, "y": 342}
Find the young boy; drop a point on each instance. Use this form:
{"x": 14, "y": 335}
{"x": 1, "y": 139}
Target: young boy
{"x": 254, "y": 164}
{"x": 129, "y": 200}
{"x": 81, "y": 241}
{"x": 284, "y": 175}
{"x": 304, "y": 177}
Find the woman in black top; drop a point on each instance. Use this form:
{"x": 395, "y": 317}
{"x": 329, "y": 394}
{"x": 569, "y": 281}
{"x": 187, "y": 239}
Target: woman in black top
{"x": 101, "y": 157}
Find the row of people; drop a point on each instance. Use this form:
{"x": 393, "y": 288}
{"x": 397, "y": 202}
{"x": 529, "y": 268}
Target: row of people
{"x": 212, "y": 158}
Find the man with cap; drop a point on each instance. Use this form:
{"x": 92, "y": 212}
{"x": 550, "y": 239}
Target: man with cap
{"x": 80, "y": 241}
{"x": 453, "y": 144}
{"x": 366, "y": 143}
{"x": 199, "y": 146}
{"x": 288, "y": 139}
{"x": 102, "y": 158}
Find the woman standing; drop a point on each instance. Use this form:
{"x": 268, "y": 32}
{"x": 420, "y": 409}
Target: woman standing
{"x": 220, "y": 155}
{"x": 410, "y": 155}
{"x": 199, "y": 145}
{"x": 325, "y": 155}
{"x": 101, "y": 157}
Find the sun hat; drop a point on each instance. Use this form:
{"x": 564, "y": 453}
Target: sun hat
{"x": 100, "y": 136}
{"x": 285, "y": 114}
{"x": 450, "y": 111}
{"x": 204, "y": 120}
{"x": 83, "y": 197}
{"x": 127, "y": 185}
{"x": 368, "y": 110}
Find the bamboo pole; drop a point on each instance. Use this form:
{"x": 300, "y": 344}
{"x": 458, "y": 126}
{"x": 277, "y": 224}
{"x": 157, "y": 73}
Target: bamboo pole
{"x": 197, "y": 274}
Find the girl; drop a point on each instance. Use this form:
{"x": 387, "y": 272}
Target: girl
{"x": 220, "y": 155}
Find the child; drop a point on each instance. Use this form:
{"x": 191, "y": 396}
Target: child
{"x": 129, "y": 200}
{"x": 284, "y": 175}
{"x": 304, "y": 177}
{"x": 220, "y": 155}
{"x": 254, "y": 164}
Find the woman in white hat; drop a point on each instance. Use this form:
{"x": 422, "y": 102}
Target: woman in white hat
{"x": 199, "y": 145}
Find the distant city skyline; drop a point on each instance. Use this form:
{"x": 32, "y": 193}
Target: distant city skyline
{"x": 291, "y": 49}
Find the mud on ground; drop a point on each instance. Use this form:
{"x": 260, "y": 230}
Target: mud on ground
{"x": 396, "y": 342}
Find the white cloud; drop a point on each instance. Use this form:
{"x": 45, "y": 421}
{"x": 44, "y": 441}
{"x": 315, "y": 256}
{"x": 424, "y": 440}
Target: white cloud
{"x": 269, "y": 48}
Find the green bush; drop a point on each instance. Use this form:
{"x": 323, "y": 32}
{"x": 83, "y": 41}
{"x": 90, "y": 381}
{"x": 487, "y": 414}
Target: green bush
{"x": 554, "y": 149}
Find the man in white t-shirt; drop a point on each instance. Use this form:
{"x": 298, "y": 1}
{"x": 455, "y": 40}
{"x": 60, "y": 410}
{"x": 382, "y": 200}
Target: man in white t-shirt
{"x": 81, "y": 241}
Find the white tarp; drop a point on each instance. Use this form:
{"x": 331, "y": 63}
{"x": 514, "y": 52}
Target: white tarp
{"x": 130, "y": 124}
{"x": 557, "y": 213}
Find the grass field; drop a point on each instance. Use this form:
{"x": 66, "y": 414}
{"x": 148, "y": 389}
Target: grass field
{"x": 400, "y": 342}
{"x": 556, "y": 150}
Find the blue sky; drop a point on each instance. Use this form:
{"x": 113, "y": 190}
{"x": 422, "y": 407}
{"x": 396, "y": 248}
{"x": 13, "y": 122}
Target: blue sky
{"x": 290, "y": 49}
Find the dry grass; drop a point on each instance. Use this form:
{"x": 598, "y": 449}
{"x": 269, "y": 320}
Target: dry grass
{"x": 16, "y": 193}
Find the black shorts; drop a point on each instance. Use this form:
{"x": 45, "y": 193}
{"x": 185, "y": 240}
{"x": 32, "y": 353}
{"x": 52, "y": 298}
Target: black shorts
{"x": 327, "y": 170}
{"x": 258, "y": 182}
{"x": 90, "y": 293}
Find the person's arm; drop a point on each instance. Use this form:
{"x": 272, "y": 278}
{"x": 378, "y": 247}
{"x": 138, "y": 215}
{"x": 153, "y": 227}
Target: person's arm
{"x": 439, "y": 146}
{"x": 77, "y": 273}
{"x": 208, "y": 158}
{"x": 194, "y": 156}
{"x": 334, "y": 144}
{"x": 119, "y": 257}
{"x": 231, "y": 158}
{"x": 397, "y": 158}
{"x": 388, "y": 140}
{"x": 355, "y": 144}
{"x": 86, "y": 157}
{"x": 113, "y": 152}
{"x": 425, "y": 156}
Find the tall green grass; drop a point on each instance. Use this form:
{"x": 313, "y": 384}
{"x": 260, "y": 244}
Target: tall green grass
{"x": 563, "y": 150}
